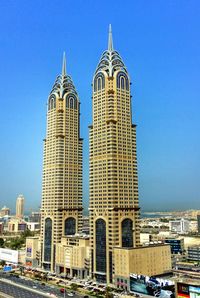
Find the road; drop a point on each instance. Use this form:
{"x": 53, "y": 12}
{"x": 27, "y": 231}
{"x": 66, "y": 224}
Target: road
{"x": 23, "y": 288}
{"x": 17, "y": 292}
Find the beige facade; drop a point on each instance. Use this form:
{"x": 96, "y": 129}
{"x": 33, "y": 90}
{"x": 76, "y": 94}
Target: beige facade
{"x": 61, "y": 211}
{"x": 17, "y": 225}
{"x": 32, "y": 251}
{"x": 72, "y": 256}
{"x": 114, "y": 210}
{"x": 20, "y": 206}
{"x": 4, "y": 211}
{"x": 145, "y": 260}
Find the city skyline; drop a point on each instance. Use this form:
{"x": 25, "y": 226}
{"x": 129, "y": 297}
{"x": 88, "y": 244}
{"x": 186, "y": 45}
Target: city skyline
{"x": 168, "y": 142}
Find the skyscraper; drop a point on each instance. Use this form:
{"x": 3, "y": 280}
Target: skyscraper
{"x": 61, "y": 211}
{"x": 114, "y": 210}
{"x": 20, "y": 206}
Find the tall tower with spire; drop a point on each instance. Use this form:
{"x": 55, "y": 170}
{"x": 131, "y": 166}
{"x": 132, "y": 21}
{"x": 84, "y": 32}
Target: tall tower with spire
{"x": 61, "y": 210}
{"x": 114, "y": 209}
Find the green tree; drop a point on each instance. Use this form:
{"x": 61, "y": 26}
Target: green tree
{"x": 1, "y": 242}
{"x": 108, "y": 293}
{"x": 27, "y": 233}
{"x": 74, "y": 287}
{"x": 2, "y": 263}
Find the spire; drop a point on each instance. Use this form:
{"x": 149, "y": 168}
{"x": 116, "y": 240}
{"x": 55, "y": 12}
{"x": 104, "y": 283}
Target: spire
{"x": 110, "y": 39}
{"x": 64, "y": 65}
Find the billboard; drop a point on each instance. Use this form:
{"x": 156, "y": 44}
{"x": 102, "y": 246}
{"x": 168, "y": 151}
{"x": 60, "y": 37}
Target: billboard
{"x": 7, "y": 268}
{"x": 153, "y": 286}
{"x": 188, "y": 291}
{"x": 9, "y": 255}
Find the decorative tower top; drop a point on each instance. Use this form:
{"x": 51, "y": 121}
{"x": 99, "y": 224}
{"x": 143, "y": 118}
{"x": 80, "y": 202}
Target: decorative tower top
{"x": 63, "y": 83}
{"x": 110, "y": 39}
{"x": 110, "y": 60}
{"x": 64, "y": 65}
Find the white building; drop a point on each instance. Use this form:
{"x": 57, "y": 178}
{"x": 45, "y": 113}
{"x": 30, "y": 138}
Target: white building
{"x": 180, "y": 226}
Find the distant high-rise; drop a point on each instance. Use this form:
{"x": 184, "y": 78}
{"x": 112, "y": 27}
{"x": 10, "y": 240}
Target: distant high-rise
{"x": 61, "y": 210}
{"x": 20, "y": 206}
{"x": 114, "y": 210}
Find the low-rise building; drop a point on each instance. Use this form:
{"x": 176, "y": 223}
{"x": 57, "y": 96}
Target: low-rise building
{"x": 1, "y": 228}
{"x": 194, "y": 253}
{"x": 21, "y": 256}
{"x": 177, "y": 245}
{"x": 188, "y": 286}
{"x": 4, "y": 211}
{"x": 35, "y": 216}
{"x": 180, "y": 226}
{"x": 198, "y": 223}
{"x": 17, "y": 225}
{"x": 181, "y": 266}
{"x": 147, "y": 260}
{"x": 32, "y": 256}
{"x": 33, "y": 226}
{"x": 72, "y": 256}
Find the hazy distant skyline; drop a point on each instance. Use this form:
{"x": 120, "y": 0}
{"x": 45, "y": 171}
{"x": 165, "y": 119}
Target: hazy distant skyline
{"x": 159, "y": 43}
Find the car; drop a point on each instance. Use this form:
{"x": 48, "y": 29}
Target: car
{"x": 62, "y": 290}
{"x": 70, "y": 294}
{"x": 34, "y": 287}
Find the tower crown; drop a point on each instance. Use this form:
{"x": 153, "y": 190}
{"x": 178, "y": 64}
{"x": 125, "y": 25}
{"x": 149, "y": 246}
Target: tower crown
{"x": 63, "y": 83}
{"x": 110, "y": 60}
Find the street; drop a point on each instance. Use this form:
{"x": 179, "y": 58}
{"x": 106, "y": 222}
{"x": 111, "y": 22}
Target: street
{"x": 12, "y": 285}
{"x": 18, "y": 292}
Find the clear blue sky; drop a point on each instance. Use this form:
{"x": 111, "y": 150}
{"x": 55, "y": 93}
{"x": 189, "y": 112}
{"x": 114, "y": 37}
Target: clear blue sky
{"x": 160, "y": 45}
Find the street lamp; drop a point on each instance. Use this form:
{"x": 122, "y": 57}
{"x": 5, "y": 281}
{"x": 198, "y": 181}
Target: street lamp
{"x": 64, "y": 288}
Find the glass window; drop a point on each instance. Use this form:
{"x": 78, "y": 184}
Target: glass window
{"x": 101, "y": 245}
{"x": 99, "y": 82}
{"x": 47, "y": 240}
{"x": 127, "y": 233}
{"x": 71, "y": 103}
{"x": 70, "y": 226}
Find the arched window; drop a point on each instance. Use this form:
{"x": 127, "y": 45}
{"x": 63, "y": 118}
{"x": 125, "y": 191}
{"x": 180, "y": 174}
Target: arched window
{"x": 100, "y": 245}
{"x": 71, "y": 101}
{"x": 70, "y": 226}
{"x": 122, "y": 80}
{"x": 47, "y": 239}
{"x": 67, "y": 102}
{"x": 127, "y": 233}
{"x": 52, "y": 102}
{"x": 75, "y": 103}
{"x": 99, "y": 82}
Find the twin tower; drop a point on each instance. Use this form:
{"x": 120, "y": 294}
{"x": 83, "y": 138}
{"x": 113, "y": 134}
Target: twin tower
{"x": 113, "y": 207}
